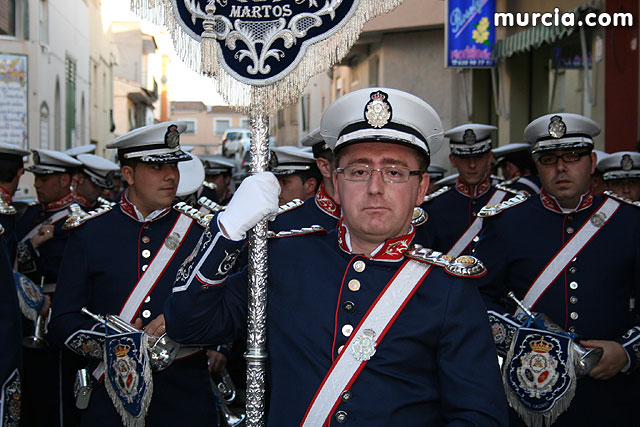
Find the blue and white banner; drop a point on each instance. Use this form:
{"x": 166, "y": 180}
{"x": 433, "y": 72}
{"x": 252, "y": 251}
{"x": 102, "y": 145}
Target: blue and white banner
{"x": 470, "y": 33}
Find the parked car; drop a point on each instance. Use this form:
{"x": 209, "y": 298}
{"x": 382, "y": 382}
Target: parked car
{"x": 235, "y": 141}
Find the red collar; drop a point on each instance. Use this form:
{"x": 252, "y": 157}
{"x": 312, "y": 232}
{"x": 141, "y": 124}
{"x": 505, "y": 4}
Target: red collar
{"x": 129, "y": 209}
{"x": 82, "y": 200}
{"x": 473, "y": 192}
{"x": 550, "y": 202}
{"x": 391, "y": 250}
{"x": 5, "y": 196}
{"x": 61, "y": 203}
{"x": 326, "y": 203}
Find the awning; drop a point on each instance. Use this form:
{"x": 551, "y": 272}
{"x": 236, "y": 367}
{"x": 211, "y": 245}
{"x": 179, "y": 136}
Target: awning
{"x": 534, "y": 37}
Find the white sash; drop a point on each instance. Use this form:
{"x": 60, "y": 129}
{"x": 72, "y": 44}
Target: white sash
{"x": 152, "y": 275}
{"x": 379, "y": 319}
{"x": 569, "y": 252}
{"x": 51, "y": 220}
{"x": 475, "y": 227}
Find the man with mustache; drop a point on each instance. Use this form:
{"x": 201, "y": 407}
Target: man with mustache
{"x": 123, "y": 261}
{"x": 357, "y": 336}
{"x": 575, "y": 257}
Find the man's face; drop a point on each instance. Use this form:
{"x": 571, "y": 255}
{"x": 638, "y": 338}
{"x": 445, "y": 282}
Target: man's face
{"x": 567, "y": 181}
{"x": 88, "y": 189}
{"x": 222, "y": 183}
{"x": 376, "y": 210}
{"x": 153, "y": 186}
{"x": 626, "y": 187}
{"x": 292, "y": 187}
{"x": 472, "y": 169}
{"x": 51, "y": 187}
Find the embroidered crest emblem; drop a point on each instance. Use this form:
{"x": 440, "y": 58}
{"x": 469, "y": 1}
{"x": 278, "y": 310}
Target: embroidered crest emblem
{"x": 10, "y": 399}
{"x": 227, "y": 263}
{"x": 36, "y": 158}
{"x": 364, "y": 346}
{"x": 626, "y": 163}
{"x": 273, "y": 160}
{"x": 557, "y": 128}
{"x": 377, "y": 112}
{"x": 172, "y": 137}
{"x": 469, "y": 137}
{"x": 172, "y": 241}
{"x": 419, "y": 216}
{"x": 598, "y": 219}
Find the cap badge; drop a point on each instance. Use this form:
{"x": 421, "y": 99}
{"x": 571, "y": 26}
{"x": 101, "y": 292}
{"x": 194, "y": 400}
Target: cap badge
{"x": 273, "y": 160}
{"x": 378, "y": 110}
{"x": 469, "y": 137}
{"x": 557, "y": 128}
{"x": 172, "y": 137}
{"x": 172, "y": 241}
{"x": 36, "y": 158}
{"x": 626, "y": 163}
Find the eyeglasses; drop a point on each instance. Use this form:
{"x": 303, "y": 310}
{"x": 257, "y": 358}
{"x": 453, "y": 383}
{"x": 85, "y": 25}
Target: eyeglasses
{"x": 570, "y": 157}
{"x": 390, "y": 174}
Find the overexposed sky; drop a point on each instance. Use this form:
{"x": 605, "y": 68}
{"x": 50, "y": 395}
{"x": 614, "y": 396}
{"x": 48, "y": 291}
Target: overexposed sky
{"x": 191, "y": 86}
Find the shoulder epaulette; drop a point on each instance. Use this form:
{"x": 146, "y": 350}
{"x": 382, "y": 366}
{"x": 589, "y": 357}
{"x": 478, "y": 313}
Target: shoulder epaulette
{"x": 105, "y": 202}
{"x": 79, "y": 217}
{"x": 295, "y": 203}
{"x": 209, "y": 185}
{"x": 419, "y": 216}
{"x": 314, "y": 229}
{"x": 210, "y": 204}
{"x": 620, "y": 198}
{"x": 496, "y": 178}
{"x": 491, "y": 210}
{"x": 6, "y": 208}
{"x": 504, "y": 187}
{"x": 200, "y": 217}
{"x": 440, "y": 192}
{"x": 462, "y": 266}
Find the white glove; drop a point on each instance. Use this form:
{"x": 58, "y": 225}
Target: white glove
{"x": 256, "y": 199}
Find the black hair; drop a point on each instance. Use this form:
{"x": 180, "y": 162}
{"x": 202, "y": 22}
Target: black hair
{"x": 9, "y": 167}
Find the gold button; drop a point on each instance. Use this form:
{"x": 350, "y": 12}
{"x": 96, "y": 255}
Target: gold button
{"x": 340, "y": 349}
{"x": 346, "y": 330}
{"x": 144, "y": 267}
{"x": 359, "y": 266}
{"x": 145, "y": 239}
{"x": 570, "y": 230}
{"x": 354, "y": 285}
{"x": 573, "y": 285}
{"x": 146, "y": 314}
{"x": 146, "y": 253}
{"x": 574, "y": 315}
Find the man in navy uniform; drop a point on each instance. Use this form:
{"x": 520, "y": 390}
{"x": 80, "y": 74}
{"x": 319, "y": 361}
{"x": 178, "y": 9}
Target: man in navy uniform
{"x": 424, "y": 356}
{"x": 576, "y": 258}
{"x": 47, "y": 397}
{"x": 621, "y": 174}
{"x": 452, "y": 223}
{"x": 11, "y": 169}
{"x": 296, "y": 171}
{"x": 124, "y": 262}
{"x": 517, "y": 167}
{"x": 218, "y": 172}
{"x": 93, "y": 179}
{"x": 436, "y": 173}
{"x": 321, "y": 209}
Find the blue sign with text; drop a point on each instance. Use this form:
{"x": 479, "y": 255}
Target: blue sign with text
{"x": 470, "y": 33}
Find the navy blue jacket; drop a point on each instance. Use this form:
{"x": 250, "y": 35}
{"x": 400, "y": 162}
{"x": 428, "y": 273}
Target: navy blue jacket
{"x": 103, "y": 261}
{"x": 435, "y": 366}
{"x": 453, "y": 211}
{"x": 11, "y": 339}
{"x": 319, "y": 210}
{"x": 590, "y": 297}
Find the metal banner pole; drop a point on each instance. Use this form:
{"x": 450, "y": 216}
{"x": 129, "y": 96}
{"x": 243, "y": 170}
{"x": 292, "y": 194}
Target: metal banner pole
{"x": 256, "y": 354}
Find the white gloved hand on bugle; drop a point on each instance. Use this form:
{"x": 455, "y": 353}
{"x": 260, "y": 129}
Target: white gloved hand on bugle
{"x": 256, "y": 199}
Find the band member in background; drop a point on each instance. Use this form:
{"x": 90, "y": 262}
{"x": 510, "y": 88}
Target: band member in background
{"x": 621, "y": 174}
{"x": 123, "y": 260}
{"x": 553, "y": 250}
{"x": 406, "y": 364}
